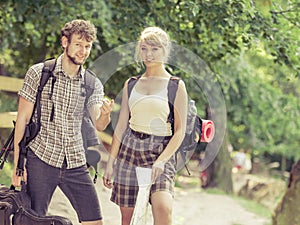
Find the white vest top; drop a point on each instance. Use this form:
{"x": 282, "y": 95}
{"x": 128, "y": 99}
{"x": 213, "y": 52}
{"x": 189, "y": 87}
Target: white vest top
{"x": 149, "y": 113}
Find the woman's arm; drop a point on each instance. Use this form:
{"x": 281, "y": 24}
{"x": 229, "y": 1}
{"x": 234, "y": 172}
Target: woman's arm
{"x": 117, "y": 137}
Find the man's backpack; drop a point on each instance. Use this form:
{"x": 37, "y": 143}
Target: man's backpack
{"x": 193, "y": 127}
{"x": 15, "y": 208}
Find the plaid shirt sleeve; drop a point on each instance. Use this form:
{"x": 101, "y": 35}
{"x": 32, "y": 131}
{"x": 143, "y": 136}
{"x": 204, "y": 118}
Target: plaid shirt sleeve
{"x": 31, "y": 83}
{"x": 97, "y": 97}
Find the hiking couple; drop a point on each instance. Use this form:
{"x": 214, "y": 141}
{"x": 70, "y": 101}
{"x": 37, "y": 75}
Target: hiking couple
{"x": 143, "y": 136}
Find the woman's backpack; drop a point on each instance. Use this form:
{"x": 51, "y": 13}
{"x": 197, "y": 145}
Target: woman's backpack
{"x": 193, "y": 127}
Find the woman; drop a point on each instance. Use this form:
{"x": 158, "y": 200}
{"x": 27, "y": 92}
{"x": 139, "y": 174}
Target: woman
{"x": 143, "y": 136}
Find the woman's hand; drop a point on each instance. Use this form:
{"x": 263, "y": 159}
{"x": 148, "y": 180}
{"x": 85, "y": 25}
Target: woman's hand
{"x": 107, "y": 176}
{"x": 157, "y": 170}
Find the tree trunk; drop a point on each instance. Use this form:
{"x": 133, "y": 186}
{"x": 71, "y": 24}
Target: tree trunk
{"x": 219, "y": 171}
{"x": 288, "y": 210}
{"x": 221, "y": 175}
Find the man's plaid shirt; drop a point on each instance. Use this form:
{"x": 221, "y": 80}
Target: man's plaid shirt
{"x": 61, "y": 138}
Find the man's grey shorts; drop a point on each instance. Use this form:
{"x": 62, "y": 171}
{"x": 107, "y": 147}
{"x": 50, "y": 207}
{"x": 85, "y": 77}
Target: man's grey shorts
{"x": 76, "y": 184}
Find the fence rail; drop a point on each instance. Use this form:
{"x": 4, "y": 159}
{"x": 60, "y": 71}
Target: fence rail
{"x": 11, "y": 84}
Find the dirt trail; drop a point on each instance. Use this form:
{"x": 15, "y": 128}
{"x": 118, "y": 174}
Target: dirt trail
{"x": 191, "y": 207}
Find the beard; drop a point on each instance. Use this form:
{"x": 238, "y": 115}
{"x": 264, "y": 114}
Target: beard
{"x": 73, "y": 58}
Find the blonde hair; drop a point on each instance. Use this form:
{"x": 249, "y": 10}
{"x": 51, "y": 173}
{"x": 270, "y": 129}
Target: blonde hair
{"x": 154, "y": 36}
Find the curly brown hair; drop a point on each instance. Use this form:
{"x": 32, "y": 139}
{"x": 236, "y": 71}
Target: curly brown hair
{"x": 82, "y": 27}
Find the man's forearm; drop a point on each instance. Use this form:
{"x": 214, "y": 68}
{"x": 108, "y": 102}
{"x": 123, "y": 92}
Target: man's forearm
{"x": 19, "y": 133}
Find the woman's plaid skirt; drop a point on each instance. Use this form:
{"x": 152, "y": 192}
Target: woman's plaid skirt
{"x": 140, "y": 150}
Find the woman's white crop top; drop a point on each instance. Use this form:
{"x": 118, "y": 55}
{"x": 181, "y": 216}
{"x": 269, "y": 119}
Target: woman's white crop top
{"x": 149, "y": 113}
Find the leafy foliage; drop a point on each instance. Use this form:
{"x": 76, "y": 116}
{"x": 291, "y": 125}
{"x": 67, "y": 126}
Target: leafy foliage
{"x": 251, "y": 47}
{"x": 30, "y": 30}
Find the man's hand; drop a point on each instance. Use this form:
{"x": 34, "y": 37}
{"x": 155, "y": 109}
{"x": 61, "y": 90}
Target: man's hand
{"x": 107, "y": 106}
{"x": 104, "y": 118}
{"x": 16, "y": 180}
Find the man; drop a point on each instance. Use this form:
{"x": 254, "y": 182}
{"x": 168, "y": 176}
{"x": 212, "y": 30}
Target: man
{"x": 56, "y": 156}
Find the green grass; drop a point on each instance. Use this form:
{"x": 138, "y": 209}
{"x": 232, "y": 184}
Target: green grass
{"x": 5, "y": 174}
{"x": 215, "y": 191}
{"x": 187, "y": 181}
{"x": 254, "y": 207}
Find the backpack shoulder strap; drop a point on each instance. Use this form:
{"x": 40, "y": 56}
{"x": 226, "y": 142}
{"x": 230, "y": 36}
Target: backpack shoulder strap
{"x": 47, "y": 72}
{"x": 89, "y": 83}
{"x": 172, "y": 90}
{"x": 132, "y": 81}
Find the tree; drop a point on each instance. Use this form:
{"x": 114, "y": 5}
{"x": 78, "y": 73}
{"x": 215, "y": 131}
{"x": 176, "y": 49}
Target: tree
{"x": 287, "y": 211}
{"x": 220, "y": 31}
{"x": 250, "y": 47}
{"x": 30, "y": 30}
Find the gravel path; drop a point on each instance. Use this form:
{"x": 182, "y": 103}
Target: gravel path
{"x": 191, "y": 207}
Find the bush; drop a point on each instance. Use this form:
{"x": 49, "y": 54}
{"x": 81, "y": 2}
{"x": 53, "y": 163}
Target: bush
{"x": 5, "y": 174}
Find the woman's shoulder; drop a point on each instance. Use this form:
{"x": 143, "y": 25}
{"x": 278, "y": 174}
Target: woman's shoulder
{"x": 132, "y": 78}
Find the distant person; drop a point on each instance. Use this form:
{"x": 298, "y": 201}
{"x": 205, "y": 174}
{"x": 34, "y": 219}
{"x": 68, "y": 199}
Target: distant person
{"x": 248, "y": 161}
{"x": 239, "y": 160}
{"x": 56, "y": 156}
{"x": 143, "y": 136}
